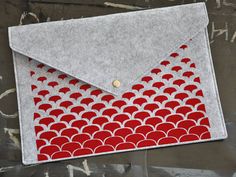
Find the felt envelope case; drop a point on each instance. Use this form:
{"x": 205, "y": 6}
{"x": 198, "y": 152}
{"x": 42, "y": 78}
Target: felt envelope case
{"x": 115, "y": 83}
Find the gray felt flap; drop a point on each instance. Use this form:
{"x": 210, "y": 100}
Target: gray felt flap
{"x": 102, "y": 49}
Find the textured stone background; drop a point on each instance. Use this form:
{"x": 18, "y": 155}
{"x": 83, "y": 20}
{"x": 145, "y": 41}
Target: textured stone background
{"x": 200, "y": 160}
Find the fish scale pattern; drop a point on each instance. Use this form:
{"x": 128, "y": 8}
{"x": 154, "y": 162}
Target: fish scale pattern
{"x": 74, "y": 119}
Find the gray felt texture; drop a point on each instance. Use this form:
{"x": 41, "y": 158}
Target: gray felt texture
{"x": 124, "y": 46}
{"x": 102, "y": 49}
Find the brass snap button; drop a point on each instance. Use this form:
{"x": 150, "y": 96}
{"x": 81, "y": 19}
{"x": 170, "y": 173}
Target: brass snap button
{"x": 116, "y": 83}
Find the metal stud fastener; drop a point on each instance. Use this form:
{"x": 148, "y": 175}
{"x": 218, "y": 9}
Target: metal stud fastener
{"x": 116, "y": 83}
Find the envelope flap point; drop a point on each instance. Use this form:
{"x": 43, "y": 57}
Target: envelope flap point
{"x": 112, "y": 51}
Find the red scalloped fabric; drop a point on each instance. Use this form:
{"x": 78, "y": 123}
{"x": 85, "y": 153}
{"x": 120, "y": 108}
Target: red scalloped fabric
{"x": 75, "y": 119}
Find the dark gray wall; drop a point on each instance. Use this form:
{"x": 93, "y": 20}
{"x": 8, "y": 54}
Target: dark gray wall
{"x": 205, "y": 159}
